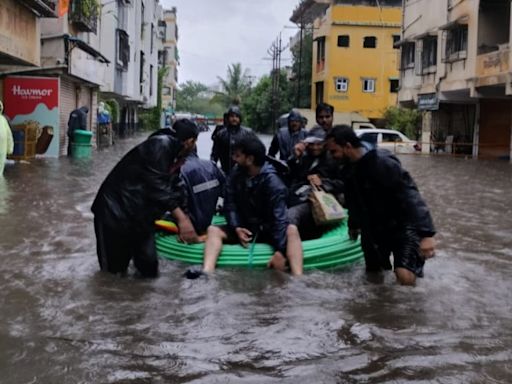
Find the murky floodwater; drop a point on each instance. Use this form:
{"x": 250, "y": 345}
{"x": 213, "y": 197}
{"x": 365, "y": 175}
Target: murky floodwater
{"x": 62, "y": 321}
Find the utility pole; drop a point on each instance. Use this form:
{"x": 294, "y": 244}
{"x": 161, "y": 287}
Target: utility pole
{"x": 275, "y": 51}
{"x": 304, "y": 30}
{"x": 299, "y": 75}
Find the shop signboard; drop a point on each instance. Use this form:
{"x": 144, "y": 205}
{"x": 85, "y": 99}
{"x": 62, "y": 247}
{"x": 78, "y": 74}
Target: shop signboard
{"x": 428, "y": 102}
{"x": 32, "y": 103}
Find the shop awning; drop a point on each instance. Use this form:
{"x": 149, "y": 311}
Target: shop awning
{"x": 87, "y": 48}
{"x": 452, "y": 24}
{"x": 424, "y": 35}
{"x": 399, "y": 43}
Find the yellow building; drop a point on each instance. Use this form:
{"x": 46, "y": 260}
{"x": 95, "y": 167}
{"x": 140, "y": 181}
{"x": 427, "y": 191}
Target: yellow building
{"x": 354, "y": 60}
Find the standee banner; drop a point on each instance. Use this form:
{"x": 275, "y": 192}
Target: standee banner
{"x": 34, "y": 102}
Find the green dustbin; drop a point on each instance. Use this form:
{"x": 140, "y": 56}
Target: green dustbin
{"x": 82, "y": 137}
{"x": 81, "y": 151}
{"x": 81, "y": 145}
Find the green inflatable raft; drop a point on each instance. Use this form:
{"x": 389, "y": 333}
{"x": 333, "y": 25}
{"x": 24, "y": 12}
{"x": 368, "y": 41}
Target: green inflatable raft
{"x": 333, "y": 249}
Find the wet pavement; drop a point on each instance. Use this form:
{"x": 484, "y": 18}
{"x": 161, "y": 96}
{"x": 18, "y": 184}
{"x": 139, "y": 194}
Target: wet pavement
{"x": 62, "y": 321}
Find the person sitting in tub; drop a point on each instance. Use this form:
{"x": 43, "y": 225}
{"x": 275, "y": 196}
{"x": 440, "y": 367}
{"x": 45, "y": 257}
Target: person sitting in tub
{"x": 255, "y": 210}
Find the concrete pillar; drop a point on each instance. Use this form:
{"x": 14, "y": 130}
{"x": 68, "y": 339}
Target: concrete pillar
{"x": 476, "y": 130}
{"x": 508, "y": 85}
{"x": 510, "y": 147}
{"x": 426, "y": 131}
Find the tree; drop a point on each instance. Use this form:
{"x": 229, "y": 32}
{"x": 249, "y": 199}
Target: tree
{"x": 257, "y": 106}
{"x": 235, "y": 87}
{"x": 150, "y": 118}
{"x": 193, "y": 97}
{"x": 162, "y": 73}
{"x": 404, "y": 120}
{"x": 187, "y": 94}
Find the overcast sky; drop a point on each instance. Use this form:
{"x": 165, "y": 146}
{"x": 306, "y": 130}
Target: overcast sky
{"x": 216, "y": 33}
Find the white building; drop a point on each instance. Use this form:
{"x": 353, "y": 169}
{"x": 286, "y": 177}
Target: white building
{"x": 130, "y": 40}
{"x": 168, "y": 58}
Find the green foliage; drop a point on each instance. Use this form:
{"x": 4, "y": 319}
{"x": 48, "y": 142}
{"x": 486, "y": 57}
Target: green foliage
{"x": 188, "y": 94}
{"x": 150, "y": 118}
{"x": 257, "y": 107}
{"x": 404, "y": 120}
{"x": 235, "y": 87}
{"x": 90, "y": 8}
{"x": 112, "y": 107}
{"x": 191, "y": 97}
{"x": 162, "y": 73}
{"x": 304, "y": 61}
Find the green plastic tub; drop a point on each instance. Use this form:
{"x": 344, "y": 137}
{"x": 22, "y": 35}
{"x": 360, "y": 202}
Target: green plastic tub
{"x": 333, "y": 249}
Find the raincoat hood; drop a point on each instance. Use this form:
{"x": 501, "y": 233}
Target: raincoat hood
{"x": 235, "y": 110}
{"x": 294, "y": 116}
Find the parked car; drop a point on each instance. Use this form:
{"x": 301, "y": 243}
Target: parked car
{"x": 389, "y": 139}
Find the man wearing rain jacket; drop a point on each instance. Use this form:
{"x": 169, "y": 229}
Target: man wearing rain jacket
{"x": 6, "y": 140}
{"x": 255, "y": 209}
{"x": 226, "y": 137}
{"x": 287, "y": 137}
{"x": 140, "y": 188}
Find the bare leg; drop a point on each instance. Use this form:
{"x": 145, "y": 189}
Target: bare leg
{"x": 294, "y": 250}
{"x": 405, "y": 277}
{"x": 212, "y": 247}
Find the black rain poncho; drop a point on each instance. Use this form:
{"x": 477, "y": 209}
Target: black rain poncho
{"x": 381, "y": 196}
{"x": 223, "y": 142}
{"x": 141, "y": 187}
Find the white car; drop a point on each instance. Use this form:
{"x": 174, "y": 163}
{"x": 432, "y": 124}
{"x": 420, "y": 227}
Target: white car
{"x": 389, "y": 139}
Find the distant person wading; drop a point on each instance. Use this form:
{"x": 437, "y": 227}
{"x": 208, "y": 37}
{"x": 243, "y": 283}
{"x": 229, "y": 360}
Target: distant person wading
{"x": 77, "y": 120}
{"x": 225, "y": 137}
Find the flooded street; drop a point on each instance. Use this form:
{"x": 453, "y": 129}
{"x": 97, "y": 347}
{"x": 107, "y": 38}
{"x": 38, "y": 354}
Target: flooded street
{"x": 62, "y": 321}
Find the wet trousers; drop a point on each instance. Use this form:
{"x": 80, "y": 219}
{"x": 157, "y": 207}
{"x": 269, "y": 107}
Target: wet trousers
{"x": 115, "y": 250}
{"x": 403, "y": 243}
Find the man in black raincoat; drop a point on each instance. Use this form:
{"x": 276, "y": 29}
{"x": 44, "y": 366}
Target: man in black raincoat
{"x": 384, "y": 206}
{"x": 287, "y": 137}
{"x": 77, "y": 120}
{"x": 140, "y": 188}
{"x": 255, "y": 209}
{"x": 226, "y": 137}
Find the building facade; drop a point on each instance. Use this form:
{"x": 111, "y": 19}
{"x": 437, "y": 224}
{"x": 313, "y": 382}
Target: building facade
{"x": 455, "y": 66}
{"x": 169, "y": 59}
{"x": 130, "y": 40}
{"x": 64, "y": 62}
{"x": 20, "y": 31}
{"x": 354, "y": 58}
{"x": 80, "y": 52}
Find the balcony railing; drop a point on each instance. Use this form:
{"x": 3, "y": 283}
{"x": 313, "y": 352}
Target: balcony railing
{"x": 493, "y": 63}
{"x": 84, "y": 15}
{"x": 45, "y": 8}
